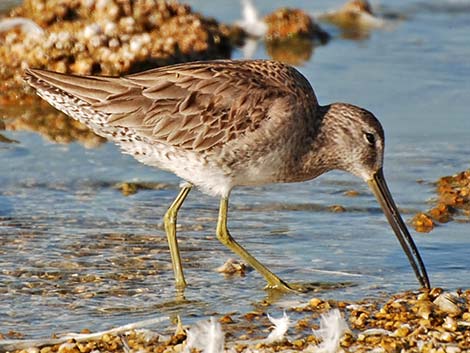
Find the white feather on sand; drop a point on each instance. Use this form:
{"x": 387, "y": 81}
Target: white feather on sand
{"x": 206, "y": 336}
{"x": 281, "y": 325}
{"x": 332, "y": 328}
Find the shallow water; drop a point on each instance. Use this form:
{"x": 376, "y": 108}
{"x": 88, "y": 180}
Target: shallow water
{"x": 76, "y": 253}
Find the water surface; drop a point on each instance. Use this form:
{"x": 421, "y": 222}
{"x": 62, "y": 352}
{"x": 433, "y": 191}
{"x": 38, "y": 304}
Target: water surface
{"x": 75, "y": 252}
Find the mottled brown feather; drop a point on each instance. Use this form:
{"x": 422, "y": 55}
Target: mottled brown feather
{"x": 187, "y": 105}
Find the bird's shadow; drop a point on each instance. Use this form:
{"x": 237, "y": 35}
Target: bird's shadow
{"x": 301, "y": 288}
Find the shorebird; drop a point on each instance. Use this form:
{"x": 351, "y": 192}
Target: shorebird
{"x": 226, "y": 123}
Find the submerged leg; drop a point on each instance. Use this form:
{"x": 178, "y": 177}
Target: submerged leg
{"x": 225, "y": 238}
{"x": 170, "y": 228}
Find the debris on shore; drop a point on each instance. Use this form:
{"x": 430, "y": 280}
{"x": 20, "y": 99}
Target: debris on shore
{"x": 420, "y": 321}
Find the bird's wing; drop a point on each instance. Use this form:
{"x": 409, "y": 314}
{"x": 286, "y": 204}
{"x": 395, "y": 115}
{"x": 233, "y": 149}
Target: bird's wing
{"x": 194, "y": 106}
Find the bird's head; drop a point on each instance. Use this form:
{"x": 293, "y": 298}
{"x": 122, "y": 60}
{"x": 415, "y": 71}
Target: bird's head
{"x": 356, "y": 145}
{"x": 357, "y": 137}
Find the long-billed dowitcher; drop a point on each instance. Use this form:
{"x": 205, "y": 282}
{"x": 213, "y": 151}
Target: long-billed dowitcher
{"x": 226, "y": 123}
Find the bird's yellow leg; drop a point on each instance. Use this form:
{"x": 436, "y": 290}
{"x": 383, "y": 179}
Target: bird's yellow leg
{"x": 274, "y": 282}
{"x": 170, "y": 228}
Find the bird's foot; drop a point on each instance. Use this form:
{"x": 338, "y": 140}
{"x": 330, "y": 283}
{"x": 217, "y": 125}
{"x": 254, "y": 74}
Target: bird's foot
{"x": 283, "y": 287}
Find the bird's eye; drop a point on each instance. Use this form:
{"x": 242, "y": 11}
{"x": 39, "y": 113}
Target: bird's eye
{"x": 370, "y": 138}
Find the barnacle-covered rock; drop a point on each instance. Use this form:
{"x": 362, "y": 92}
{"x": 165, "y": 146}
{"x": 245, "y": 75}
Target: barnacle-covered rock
{"x": 292, "y": 35}
{"x": 453, "y": 203}
{"x": 286, "y": 23}
{"x": 100, "y": 37}
{"x": 110, "y": 37}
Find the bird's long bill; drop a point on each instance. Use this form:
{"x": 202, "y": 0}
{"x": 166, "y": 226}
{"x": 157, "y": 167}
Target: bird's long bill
{"x": 380, "y": 189}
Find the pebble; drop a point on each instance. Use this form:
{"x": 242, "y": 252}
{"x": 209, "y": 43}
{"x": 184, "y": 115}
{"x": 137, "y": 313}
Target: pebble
{"x": 446, "y": 302}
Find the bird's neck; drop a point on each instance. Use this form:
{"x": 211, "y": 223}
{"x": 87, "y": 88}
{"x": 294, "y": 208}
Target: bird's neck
{"x": 321, "y": 155}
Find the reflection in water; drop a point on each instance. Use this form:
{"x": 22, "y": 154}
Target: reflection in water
{"x": 315, "y": 207}
{"x": 51, "y": 124}
{"x": 130, "y": 188}
{"x": 4, "y": 139}
{"x": 274, "y": 296}
{"x": 294, "y": 51}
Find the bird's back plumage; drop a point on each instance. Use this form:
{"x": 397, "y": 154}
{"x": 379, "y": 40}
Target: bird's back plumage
{"x": 222, "y": 115}
{"x": 194, "y": 106}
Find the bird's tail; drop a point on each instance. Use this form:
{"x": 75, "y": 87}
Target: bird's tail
{"x": 90, "y": 89}
{"x": 76, "y": 96}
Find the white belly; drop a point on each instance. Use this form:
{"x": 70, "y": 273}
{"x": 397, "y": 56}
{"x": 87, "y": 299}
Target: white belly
{"x": 189, "y": 166}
